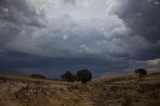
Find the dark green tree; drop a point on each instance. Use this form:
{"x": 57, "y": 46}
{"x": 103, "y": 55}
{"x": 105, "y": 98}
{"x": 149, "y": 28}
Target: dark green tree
{"x": 63, "y": 76}
{"x": 141, "y": 72}
{"x": 68, "y": 76}
{"x": 84, "y": 76}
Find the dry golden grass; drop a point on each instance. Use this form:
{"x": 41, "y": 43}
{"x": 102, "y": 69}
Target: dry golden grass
{"x": 114, "y": 90}
{"x": 28, "y": 79}
{"x": 130, "y": 78}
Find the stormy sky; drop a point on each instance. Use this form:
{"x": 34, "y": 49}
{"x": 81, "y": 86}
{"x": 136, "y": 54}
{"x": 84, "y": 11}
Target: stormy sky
{"x": 53, "y": 36}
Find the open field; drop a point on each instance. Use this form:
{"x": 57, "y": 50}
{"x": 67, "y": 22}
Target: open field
{"x": 120, "y": 90}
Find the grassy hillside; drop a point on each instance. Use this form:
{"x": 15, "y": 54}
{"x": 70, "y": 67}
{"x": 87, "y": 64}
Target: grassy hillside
{"x": 117, "y": 90}
{"x": 127, "y": 90}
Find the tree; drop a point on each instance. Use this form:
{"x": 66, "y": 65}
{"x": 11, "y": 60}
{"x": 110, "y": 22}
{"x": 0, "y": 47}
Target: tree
{"x": 68, "y": 76}
{"x": 38, "y": 76}
{"x": 84, "y": 76}
{"x": 141, "y": 72}
{"x": 63, "y": 76}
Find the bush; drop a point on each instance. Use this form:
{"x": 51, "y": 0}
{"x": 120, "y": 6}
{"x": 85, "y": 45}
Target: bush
{"x": 68, "y": 76}
{"x": 38, "y": 76}
{"x": 140, "y": 72}
{"x": 84, "y": 76}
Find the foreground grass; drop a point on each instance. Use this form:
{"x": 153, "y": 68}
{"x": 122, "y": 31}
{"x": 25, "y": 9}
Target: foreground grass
{"x": 117, "y": 90}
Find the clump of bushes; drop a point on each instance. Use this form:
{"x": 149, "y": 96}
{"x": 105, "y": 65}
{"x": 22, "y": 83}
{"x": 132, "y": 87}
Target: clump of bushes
{"x": 141, "y": 72}
{"x": 83, "y": 75}
{"x": 37, "y": 76}
{"x": 68, "y": 76}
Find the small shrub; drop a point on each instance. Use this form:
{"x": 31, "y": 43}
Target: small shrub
{"x": 38, "y": 76}
{"x": 141, "y": 72}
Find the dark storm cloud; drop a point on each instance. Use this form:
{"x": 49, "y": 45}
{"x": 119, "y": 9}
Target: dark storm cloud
{"x": 20, "y": 12}
{"x": 126, "y": 39}
{"x": 143, "y": 17}
{"x": 148, "y": 53}
{"x": 14, "y": 62}
{"x": 7, "y": 32}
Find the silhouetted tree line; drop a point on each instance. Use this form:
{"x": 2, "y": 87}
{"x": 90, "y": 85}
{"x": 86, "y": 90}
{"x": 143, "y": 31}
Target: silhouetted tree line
{"x": 83, "y": 75}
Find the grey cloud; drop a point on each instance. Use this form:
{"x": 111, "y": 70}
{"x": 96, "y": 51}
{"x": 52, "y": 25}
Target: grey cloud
{"x": 20, "y": 12}
{"x": 142, "y": 17}
{"x": 154, "y": 63}
{"x": 66, "y": 37}
{"x": 7, "y": 31}
{"x": 117, "y": 41}
{"x": 73, "y": 2}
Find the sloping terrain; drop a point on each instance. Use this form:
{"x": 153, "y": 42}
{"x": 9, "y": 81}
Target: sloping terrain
{"x": 127, "y": 90}
{"x": 41, "y": 93}
{"x": 124, "y": 90}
